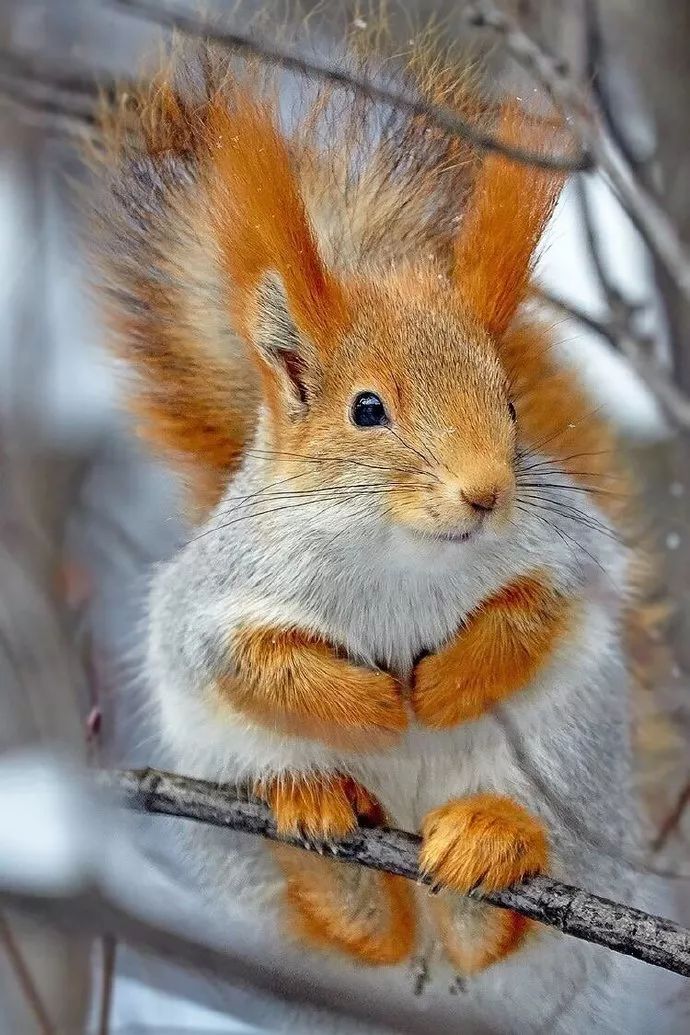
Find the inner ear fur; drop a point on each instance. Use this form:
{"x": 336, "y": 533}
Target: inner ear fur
{"x": 508, "y": 210}
{"x": 288, "y": 355}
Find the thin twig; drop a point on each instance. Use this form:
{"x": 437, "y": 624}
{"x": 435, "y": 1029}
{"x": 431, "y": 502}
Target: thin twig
{"x": 597, "y": 53}
{"x": 571, "y": 910}
{"x": 109, "y": 949}
{"x": 621, "y": 310}
{"x": 25, "y": 979}
{"x": 673, "y": 401}
{"x": 651, "y": 220}
{"x": 188, "y": 24}
{"x": 53, "y": 92}
{"x": 672, "y": 820}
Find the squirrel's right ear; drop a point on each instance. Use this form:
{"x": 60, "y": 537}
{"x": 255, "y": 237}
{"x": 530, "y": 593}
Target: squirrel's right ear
{"x": 283, "y": 299}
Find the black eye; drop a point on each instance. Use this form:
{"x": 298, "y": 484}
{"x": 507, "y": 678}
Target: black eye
{"x": 513, "y": 412}
{"x": 368, "y": 411}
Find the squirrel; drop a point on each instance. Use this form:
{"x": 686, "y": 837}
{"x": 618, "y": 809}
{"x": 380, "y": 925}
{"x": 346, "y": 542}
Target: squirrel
{"x": 404, "y": 597}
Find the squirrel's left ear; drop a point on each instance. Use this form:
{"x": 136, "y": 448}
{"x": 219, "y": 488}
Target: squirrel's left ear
{"x": 507, "y": 213}
{"x": 283, "y": 299}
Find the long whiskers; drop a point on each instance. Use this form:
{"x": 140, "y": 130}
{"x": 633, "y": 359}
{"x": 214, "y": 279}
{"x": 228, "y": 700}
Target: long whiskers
{"x": 537, "y": 446}
{"x": 336, "y": 495}
{"x": 429, "y": 459}
{"x": 589, "y": 489}
{"x": 282, "y": 456}
{"x": 567, "y": 539}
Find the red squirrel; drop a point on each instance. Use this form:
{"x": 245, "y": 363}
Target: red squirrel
{"x": 405, "y": 555}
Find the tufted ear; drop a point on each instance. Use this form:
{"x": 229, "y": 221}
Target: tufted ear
{"x": 278, "y": 281}
{"x": 507, "y": 213}
{"x": 290, "y": 359}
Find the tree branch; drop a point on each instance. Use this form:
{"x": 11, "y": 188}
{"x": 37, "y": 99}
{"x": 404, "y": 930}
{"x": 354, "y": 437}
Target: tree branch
{"x": 672, "y": 399}
{"x": 52, "y": 92}
{"x": 25, "y": 979}
{"x": 172, "y": 17}
{"x": 629, "y": 931}
{"x": 672, "y": 821}
{"x": 651, "y": 220}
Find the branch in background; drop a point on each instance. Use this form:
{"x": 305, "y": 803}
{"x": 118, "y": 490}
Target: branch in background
{"x": 652, "y": 222}
{"x": 109, "y": 954}
{"x": 622, "y": 311}
{"x": 641, "y": 161}
{"x": 618, "y": 328}
{"x": 25, "y": 979}
{"x": 649, "y": 938}
{"x": 54, "y": 93}
{"x": 672, "y": 822}
{"x": 186, "y": 23}
{"x": 673, "y": 401}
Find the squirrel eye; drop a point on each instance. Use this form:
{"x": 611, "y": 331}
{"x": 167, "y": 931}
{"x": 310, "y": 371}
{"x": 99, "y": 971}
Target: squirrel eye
{"x": 512, "y": 411}
{"x": 368, "y": 411}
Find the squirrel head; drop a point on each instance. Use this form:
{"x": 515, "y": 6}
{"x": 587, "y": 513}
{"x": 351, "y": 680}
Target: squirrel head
{"x": 388, "y": 391}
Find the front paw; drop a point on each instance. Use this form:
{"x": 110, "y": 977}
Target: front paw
{"x": 440, "y": 696}
{"x": 321, "y": 807}
{"x": 485, "y": 842}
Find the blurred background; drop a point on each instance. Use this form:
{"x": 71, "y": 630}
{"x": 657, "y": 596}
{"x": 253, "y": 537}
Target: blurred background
{"x": 84, "y": 514}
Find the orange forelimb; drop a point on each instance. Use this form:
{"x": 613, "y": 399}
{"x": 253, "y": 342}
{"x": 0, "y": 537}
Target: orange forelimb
{"x": 295, "y": 683}
{"x": 319, "y": 805}
{"x": 500, "y": 649}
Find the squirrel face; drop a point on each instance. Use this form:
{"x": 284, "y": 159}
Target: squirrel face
{"x": 410, "y": 408}
{"x": 385, "y": 384}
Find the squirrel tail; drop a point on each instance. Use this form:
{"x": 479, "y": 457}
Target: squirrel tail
{"x": 194, "y": 393}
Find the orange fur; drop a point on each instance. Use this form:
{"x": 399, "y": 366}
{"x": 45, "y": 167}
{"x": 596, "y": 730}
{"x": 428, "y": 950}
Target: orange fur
{"x": 294, "y": 682}
{"x": 181, "y": 400}
{"x": 160, "y": 294}
{"x": 505, "y": 642}
{"x": 366, "y": 915}
{"x": 261, "y": 221}
{"x": 317, "y": 806}
{"x": 482, "y": 936}
{"x": 555, "y": 415}
{"x": 485, "y": 842}
{"x": 489, "y": 843}
{"x": 506, "y": 215}
{"x": 324, "y": 904}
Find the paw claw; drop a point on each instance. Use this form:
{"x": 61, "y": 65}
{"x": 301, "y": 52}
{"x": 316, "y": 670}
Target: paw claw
{"x": 483, "y": 843}
{"x": 317, "y": 808}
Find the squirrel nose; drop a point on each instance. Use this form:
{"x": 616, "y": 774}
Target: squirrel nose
{"x": 481, "y": 499}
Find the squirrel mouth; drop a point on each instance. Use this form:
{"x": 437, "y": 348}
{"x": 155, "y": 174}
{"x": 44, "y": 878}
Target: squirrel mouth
{"x": 448, "y": 537}
{"x": 453, "y": 537}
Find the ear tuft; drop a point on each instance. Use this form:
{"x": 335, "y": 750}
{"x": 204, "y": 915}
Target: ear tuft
{"x": 508, "y": 211}
{"x": 288, "y": 357}
{"x": 260, "y": 218}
